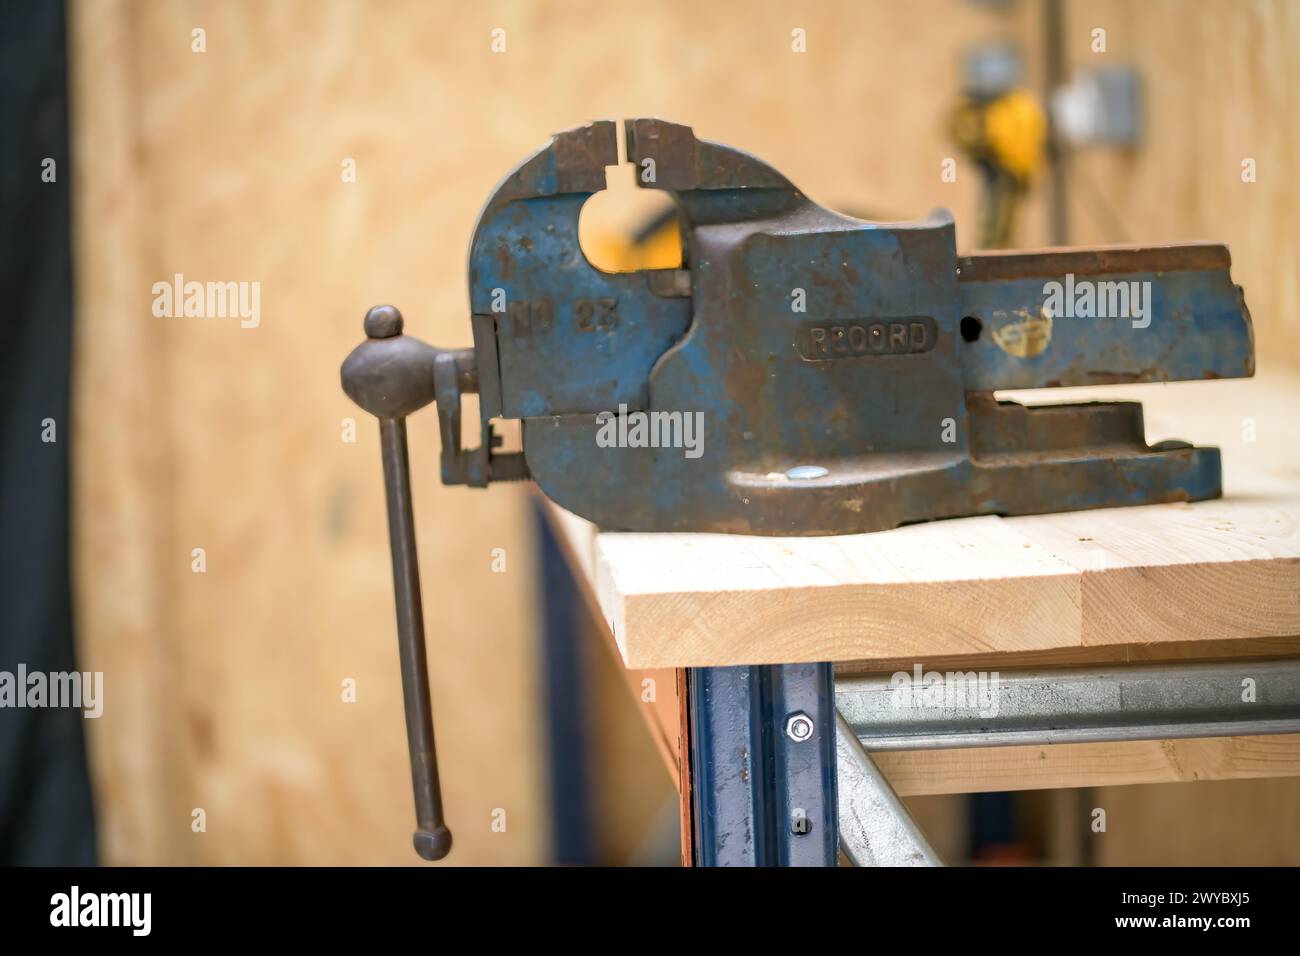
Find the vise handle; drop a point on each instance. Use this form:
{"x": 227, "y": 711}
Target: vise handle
{"x": 392, "y": 375}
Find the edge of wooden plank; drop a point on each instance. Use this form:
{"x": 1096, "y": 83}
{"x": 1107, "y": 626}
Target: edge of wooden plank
{"x": 987, "y": 769}
{"x": 847, "y": 622}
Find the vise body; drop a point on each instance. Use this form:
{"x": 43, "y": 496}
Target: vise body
{"x": 842, "y": 371}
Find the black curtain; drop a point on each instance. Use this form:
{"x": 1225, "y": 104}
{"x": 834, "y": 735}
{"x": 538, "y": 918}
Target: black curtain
{"x": 45, "y": 803}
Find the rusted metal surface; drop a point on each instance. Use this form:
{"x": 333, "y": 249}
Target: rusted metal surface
{"x": 809, "y": 343}
{"x": 1175, "y": 322}
{"x": 835, "y": 366}
{"x": 1052, "y": 263}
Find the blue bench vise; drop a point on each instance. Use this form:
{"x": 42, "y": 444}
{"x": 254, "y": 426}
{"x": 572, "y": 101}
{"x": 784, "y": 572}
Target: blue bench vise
{"x": 801, "y": 373}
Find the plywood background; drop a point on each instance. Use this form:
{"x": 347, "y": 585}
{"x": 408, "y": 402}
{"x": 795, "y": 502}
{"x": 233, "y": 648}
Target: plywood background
{"x": 1221, "y": 85}
{"x": 223, "y": 688}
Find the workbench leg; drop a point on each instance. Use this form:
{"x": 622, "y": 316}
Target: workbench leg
{"x": 763, "y": 765}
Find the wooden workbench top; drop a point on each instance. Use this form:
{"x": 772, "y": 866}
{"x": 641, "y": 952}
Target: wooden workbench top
{"x": 1213, "y": 571}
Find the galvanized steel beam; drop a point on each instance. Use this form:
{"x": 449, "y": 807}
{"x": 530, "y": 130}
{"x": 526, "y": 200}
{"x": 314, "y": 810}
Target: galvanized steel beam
{"x": 875, "y": 827}
{"x": 922, "y": 710}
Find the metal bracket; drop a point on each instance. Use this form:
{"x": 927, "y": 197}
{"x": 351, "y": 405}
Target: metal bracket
{"x": 875, "y": 827}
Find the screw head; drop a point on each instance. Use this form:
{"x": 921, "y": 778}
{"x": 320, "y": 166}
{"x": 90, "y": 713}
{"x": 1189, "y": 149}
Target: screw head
{"x": 807, "y": 472}
{"x": 799, "y": 727}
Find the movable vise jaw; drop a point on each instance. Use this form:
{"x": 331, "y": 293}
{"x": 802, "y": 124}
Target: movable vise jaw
{"x": 802, "y": 373}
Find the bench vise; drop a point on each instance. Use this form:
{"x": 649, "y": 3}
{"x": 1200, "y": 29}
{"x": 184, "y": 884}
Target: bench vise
{"x": 801, "y": 373}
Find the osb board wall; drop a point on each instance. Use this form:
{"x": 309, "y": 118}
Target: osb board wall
{"x": 223, "y": 688}
{"x": 1221, "y": 83}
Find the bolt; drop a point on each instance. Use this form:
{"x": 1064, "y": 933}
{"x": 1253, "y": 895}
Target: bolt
{"x": 799, "y": 727}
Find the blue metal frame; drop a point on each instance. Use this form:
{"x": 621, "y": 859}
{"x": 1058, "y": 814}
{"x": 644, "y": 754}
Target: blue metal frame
{"x": 759, "y": 797}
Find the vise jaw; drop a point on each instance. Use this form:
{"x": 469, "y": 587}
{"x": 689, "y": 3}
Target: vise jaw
{"x": 843, "y": 371}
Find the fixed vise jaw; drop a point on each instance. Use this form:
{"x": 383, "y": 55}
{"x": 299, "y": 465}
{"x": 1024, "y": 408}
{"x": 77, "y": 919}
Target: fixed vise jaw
{"x": 802, "y": 373}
